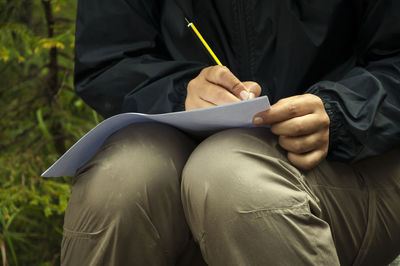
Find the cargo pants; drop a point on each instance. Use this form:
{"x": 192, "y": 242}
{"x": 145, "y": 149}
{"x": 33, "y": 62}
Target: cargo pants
{"x": 153, "y": 195}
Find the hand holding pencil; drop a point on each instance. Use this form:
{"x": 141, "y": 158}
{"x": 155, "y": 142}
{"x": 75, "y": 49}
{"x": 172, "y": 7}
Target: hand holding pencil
{"x": 217, "y": 85}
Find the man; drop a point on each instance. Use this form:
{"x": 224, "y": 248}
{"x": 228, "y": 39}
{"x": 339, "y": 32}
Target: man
{"x": 245, "y": 196}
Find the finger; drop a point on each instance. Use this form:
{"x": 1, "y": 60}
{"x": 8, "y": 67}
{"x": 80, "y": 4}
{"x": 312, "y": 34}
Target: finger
{"x": 288, "y": 108}
{"x": 222, "y": 76}
{"x": 199, "y": 88}
{"x": 253, "y": 88}
{"x": 304, "y": 144}
{"x": 308, "y": 160}
{"x": 196, "y": 103}
{"x": 299, "y": 126}
{"x": 217, "y": 95}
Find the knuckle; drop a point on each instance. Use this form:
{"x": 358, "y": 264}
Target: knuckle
{"x": 254, "y": 87}
{"x": 297, "y": 128}
{"x": 292, "y": 109}
{"x": 325, "y": 121}
{"x": 325, "y": 151}
{"x": 204, "y": 70}
{"x": 325, "y": 141}
{"x": 281, "y": 101}
{"x": 298, "y": 146}
{"x": 273, "y": 128}
{"x": 236, "y": 87}
{"x": 221, "y": 68}
{"x": 257, "y": 88}
{"x": 222, "y": 73}
{"x": 311, "y": 97}
{"x": 317, "y": 102}
{"x": 316, "y": 99}
{"x": 192, "y": 84}
{"x": 307, "y": 163}
{"x": 282, "y": 142}
{"x": 320, "y": 142}
{"x": 188, "y": 104}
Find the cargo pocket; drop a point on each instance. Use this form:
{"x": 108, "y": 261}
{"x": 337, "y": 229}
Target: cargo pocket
{"x": 83, "y": 247}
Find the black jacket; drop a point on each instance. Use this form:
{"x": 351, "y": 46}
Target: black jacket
{"x": 139, "y": 55}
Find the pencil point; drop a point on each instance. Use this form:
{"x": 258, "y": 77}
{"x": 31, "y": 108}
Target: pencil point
{"x": 188, "y": 22}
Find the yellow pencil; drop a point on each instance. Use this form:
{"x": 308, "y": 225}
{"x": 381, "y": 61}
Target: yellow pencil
{"x": 191, "y": 25}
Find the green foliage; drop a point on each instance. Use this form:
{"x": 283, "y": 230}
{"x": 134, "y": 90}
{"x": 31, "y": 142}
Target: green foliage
{"x": 40, "y": 117}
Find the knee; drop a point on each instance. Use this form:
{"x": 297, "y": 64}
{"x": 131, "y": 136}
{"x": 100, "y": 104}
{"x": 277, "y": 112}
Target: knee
{"x": 239, "y": 171}
{"x": 134, "y": 166}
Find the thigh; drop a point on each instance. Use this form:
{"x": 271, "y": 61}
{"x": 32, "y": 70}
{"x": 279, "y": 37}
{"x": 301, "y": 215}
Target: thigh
{"x": 125, "y": 202}
{"x": 361, "y": 202}
{"x": 247, "y": 205}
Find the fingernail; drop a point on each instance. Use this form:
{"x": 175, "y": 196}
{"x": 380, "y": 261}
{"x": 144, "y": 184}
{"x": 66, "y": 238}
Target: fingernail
{"x": 244, "y": 95}
{"x": 252, "y": 95}
{"x": 258, "y": 120}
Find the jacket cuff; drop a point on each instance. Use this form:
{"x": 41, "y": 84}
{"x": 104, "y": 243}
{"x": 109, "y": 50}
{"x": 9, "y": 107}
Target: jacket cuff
{"x": 178, "y": 97}
{"x": 181, "y": 96}
{"x": 337, "y": 128}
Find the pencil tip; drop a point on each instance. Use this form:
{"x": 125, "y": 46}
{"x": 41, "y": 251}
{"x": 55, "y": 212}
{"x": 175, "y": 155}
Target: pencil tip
{"x": 188, "y": 22}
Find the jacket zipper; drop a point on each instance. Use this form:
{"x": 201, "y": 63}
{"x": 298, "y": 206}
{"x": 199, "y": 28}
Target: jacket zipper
{"x": 244, "y": 47}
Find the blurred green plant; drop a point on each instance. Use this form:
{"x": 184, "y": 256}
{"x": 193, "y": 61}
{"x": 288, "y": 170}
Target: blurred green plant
{"x": 40, "y": 117}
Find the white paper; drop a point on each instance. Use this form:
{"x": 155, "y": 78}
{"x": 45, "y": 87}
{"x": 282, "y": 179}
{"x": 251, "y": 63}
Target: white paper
{"x": 238, "y": 114}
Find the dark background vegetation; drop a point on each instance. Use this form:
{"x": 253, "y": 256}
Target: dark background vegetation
{"x": 40, "y": 118}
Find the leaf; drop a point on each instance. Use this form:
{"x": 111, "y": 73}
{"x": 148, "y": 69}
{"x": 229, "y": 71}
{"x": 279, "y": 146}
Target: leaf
{"x": 47, "y": 211}
{"x": 42, "y": 125}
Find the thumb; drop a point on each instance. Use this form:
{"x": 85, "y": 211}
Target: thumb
{"x": 253, "y": 88}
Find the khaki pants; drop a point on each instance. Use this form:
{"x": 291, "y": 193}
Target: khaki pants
{"x": 154, "y": 196}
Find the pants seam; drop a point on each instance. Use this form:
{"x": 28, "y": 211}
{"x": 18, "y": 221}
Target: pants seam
{"x": 82, "y": 234}
{"x": 370, "y": 228}
{"x": 302, "y": 208}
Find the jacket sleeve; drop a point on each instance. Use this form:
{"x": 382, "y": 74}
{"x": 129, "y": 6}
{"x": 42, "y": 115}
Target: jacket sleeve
{"x": 121, "y": 63}
{"x": 364, "y": 104}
